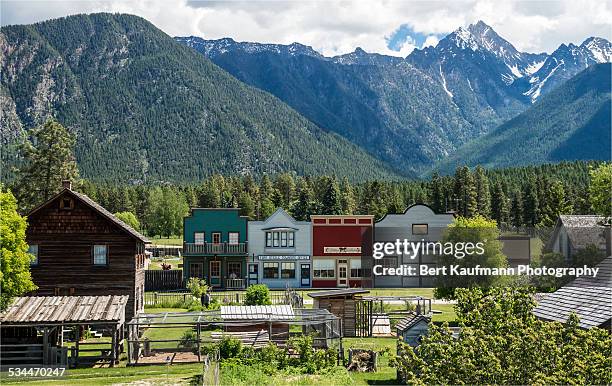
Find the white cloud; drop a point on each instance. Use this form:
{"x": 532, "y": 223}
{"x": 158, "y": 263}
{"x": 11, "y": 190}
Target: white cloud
{"x": 338, "y": 27}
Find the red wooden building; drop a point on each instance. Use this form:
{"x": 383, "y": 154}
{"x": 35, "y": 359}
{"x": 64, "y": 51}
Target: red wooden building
{"x": 339, "y": 242}
{"x": 82, "y": 249}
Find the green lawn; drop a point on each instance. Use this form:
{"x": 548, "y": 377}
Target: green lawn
{"x": 173, "y": 261}
{"x": 447, "y": 315}
{"x": 425, "y": 292}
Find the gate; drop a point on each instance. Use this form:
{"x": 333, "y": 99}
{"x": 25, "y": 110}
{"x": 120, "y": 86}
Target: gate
{"x": 363, "y": 318}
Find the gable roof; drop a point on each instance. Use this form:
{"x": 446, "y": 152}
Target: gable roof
{"x": 590, "y": 298}
{"x": 417, "y": 212}
{"x": 338, "y": 292}
{"x": 280, "y": 212}
{"x": 410, "y": 321}
{"x": 583, "y": 230}
{"x": 96, "y": 207}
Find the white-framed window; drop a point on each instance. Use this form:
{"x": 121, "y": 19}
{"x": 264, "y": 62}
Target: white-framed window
{"x": 288, "y": 270}
{"x": 33, "y": 250}
{"x": 234, "y": 237}
{"x": 216, "y": 237}
{"x": 270, "y": 270}
{"x": 198, "y": 238}
{"x": 234, "y": 269}
{"x": 389, "y": 262}
{"x": 280, "y": 239}
{"x": 100, "y": 255}
{"x": 324, "y": 268}
{"x": 356, "y": 270}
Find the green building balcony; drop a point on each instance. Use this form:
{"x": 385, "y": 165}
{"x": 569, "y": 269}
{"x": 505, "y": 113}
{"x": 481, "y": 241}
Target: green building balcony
{"x": 205, "y": 249}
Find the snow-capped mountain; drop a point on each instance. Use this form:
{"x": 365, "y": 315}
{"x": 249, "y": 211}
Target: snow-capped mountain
{"x": 214, "y": 48}
{"x": 565, "y": 62}
{"x": 360, "y": 57}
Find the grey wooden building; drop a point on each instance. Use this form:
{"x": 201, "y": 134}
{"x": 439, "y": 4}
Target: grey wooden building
{"x": 418, "y": 222}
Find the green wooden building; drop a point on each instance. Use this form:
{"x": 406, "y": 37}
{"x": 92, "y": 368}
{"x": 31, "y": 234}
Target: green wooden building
{"x": 215, "y": 246}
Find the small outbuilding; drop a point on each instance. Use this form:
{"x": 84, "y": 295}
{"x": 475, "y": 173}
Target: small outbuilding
{"x": 347, "y": 305}
{"x": 269, "y": 319}
{"x": 412, "y": 328}
{"x": 35, "y": 330}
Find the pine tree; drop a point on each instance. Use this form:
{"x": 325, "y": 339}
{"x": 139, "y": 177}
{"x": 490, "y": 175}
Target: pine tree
{"x": 465, "y": 192}
{"x": 517, "y": 209}
{"x": 304, "y": 206}
{"x": 285, "y": 186}
{"x": 437, "y": 195}
{"x": 331, "y": 203}
{"x": 556, "y": 204}
{"x": 47, "y": 160}
{"x": 210, "y": 195}
{"x": 531, "y": 205}
{"x": 500, "y": 205}
{"x": 246, "y": 205}
{"x": 348, "y": 197}
{"x": 396, "y": 202}
{"x": 483, "y": 195}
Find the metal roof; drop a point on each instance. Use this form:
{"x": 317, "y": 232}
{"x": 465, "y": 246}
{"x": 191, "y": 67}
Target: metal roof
{"x": 339, "y": 292}
{"x": 411, "y": 320}
{"x": 42, "y": 310}
{"x": 589, "y": 298}
{"x": 277, "y": 312}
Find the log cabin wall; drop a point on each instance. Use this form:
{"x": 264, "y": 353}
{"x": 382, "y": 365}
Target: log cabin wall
{"x": 65, "y": 239}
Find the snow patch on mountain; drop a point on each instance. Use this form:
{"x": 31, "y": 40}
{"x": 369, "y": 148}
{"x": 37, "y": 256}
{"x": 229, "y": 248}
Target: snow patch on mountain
{"x": 450, "y": 94}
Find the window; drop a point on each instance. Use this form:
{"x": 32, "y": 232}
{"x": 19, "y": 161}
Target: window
{"x": 324, "y": 268}
{"x": 66, "y": 203}
{"x": 288, "y": 270}
{"x": 233, "y": 237}
{"x": 356, "y": 268}
{"x": 419, "y": 229}
{"x": 389, "y": 262}
{"x": 270, "y": 270}
{"x": 234, "y": 270}
{"x": 291, "y": 241}
{"x": 195, "y": 270}
{"x": 33, "y": 250}
{"x": 283, "y": 239}
{"x": 279, "y": 239}
{"x": 216, "y": 238}
{"x": 198, "y": 238}
{"x": 100, "y": 255}
{"x": 215, "y": 269}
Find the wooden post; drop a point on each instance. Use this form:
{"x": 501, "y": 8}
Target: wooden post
{"x": 198, "y": 346}
{"x": 46, "y": 346}
{"x": 75, "y": 360}
{"x": 113, "y": 346}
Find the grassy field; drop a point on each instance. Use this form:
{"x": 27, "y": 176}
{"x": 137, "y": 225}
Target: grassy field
{"x": 174, "y": 240}
{"x": 173, "y": 261}
{"x": 447, "y": 315}
{"x": 425, "y": 292}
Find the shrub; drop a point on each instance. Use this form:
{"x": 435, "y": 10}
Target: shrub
{"x": 189, "y": 340}
{"x": 257, "y": 295}
{"x": 197, "y": 287}
{"x": 229, "y": 348}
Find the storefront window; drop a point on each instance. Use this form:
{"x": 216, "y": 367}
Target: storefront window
{"x": 288, "y": 270}
{"x": 356, "y": 268}
{"x": 324, "y": 268}
{"x": 234, "y": 270}
{"x": 270, "y": 270}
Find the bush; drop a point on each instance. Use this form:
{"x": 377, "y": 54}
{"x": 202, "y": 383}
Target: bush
{"x": 229, "y": 348}
{"x": 197, "y": 287}
{"x": 257, "y": 295}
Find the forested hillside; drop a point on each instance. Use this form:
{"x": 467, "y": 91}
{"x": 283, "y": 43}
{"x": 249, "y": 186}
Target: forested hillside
{"x": 569, "y": 123}
{"x": 146, "y": 108}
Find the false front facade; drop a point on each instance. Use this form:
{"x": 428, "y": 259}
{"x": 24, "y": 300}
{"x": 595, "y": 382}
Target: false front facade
{"x": 215, "y": 247}
{"x": 280, "y": 251}
{"x": 341, "y": 250}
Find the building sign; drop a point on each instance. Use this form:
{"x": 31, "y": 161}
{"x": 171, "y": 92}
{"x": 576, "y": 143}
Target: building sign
{"x": 341, "y": 250}
{"x": 283, "y": 257}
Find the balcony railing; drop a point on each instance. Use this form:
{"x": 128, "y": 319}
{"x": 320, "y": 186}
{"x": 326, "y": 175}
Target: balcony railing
{"x": 235, "y": 283}
{"x": 215, "y": 249}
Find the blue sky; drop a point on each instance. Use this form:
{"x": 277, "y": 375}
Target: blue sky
{"x": 390, "y": 27}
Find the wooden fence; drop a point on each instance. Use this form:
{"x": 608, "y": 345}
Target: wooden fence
{"x": 159, "y": 280}
{"x": 175, "y": 297}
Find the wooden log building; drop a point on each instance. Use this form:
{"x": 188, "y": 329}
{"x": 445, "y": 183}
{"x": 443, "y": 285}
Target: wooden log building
{"x": 82, "y": 249}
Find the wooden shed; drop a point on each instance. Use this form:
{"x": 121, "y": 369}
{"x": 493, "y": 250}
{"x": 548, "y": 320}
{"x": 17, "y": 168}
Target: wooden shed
{"x": 272, "y": 320}
{"x": 412, "y": 328}
{"x": 347, "y": 305}
{"x": 34, "y": 330}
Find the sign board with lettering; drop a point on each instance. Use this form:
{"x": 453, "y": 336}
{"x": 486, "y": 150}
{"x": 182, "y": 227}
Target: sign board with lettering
{"x": 341, "y": 250}
{"x": 283, "y": 257}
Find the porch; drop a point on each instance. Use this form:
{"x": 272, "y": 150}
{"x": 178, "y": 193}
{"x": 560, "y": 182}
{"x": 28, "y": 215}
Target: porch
{"x": 220, "y": 272}
{"x": 215, "y": 248}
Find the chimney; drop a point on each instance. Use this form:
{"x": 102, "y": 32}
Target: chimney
{"x": 66, "y": 184}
